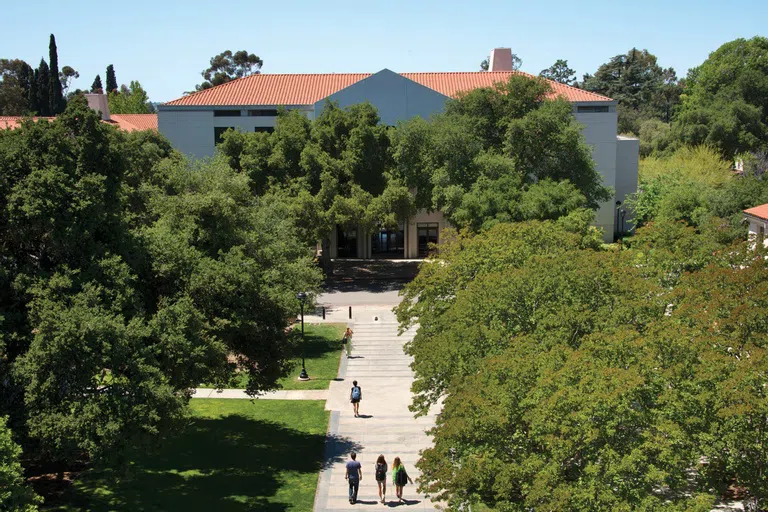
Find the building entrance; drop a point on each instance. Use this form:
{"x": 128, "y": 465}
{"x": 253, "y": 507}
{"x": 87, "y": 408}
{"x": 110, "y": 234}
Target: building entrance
{"x": 346, "y": 242}
{"x": 427, "y": 234}
{"x": 388, "y": 243}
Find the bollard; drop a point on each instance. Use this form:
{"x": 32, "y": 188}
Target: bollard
{"x": 350, "y": 312}
{"x": 323, "y": 312}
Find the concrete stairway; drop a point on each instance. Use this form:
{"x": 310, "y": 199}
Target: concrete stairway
{"x": 385, "y": 426}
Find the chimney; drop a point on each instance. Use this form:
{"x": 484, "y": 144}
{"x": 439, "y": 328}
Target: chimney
{"x": 99, "y": 102}
{"x": 501, "y": 59}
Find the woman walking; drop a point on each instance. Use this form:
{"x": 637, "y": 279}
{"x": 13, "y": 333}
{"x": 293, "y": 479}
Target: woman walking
{"x": 381, "y": 477}
{"x": 399, "y": 478}
{"x": 347, "y": 342}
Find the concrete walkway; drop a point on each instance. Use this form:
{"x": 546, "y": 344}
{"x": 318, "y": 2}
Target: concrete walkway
{"x": 280, "y": 394}
{"x": 386, "y": 426}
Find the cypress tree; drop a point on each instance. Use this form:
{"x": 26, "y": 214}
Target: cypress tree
{"x": 43, "y": 89}
{"x": 96, "y": 87}
{"x": 26, "y": 76}
{"x": 32, "y": 101}
{"x": 111, "y": 80}
{"x": 55, "y": 96}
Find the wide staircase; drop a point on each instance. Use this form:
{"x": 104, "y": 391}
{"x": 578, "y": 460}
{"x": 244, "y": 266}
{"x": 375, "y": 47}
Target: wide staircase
{"x": 386, "y": 426}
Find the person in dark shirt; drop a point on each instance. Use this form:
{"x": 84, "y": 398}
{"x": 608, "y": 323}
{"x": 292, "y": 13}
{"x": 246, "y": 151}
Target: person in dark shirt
{"x": 355, "y": 395}
{"x": 353, "y": 475}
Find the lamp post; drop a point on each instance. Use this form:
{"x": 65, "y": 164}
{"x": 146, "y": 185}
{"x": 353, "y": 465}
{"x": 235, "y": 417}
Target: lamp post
{"x": 302, "y": 296}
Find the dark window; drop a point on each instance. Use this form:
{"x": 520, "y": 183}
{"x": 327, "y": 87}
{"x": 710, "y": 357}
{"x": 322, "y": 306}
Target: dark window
{"x": 218, "y": 131}
{"x": 388, "y": 243}
{"x": 592, "y": 109}
{"x": 227, "y": 113}
{"x": 266, "y": 129}
{"x": 346, "y": 242}
{"x": 263, "y": 112}
{"x": 427, "y": 234}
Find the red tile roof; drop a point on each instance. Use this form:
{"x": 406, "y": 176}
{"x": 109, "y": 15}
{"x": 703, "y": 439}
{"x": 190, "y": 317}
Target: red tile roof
{"x": 760, "y": 212}
{"x": 125, "y": 122}
{"x": 133, "y": 122}
{"x": 306, "y": 89}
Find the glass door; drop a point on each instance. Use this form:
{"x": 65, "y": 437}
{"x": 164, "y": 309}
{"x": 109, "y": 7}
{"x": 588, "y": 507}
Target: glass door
{"x": 427, "y": 234}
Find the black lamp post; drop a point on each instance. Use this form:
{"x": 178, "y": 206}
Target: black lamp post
{"x": 302, "y": 299}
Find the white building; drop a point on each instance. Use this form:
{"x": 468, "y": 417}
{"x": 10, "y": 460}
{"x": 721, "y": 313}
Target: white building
{"x": 758, "y": 223}
{"x": 195, "y": 123}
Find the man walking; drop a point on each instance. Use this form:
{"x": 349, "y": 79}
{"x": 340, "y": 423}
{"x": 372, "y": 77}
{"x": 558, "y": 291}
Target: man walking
{"x": 353, "y": 476}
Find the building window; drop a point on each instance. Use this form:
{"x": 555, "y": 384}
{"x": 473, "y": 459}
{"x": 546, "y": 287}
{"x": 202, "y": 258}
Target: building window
{"x": 388, "y": 243}
{"x": 592, "y": 109}
{"x": 427, "y": 234}
{"x": 346, "y": 242}
{"x": 263, "y": 112}
{"x": 227, "y": 113}
{"x": 264, "y": 129}
{"x": 218, "y": 132}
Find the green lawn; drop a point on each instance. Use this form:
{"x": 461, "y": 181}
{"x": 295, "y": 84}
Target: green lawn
{"x": 323, "y": 351}
{"x": 236, "y": 455}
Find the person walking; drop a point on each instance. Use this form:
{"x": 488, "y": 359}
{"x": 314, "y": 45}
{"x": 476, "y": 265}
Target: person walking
{"x": 381, "y": 477}
{"x": 355, "y": 395}
{"x": 353, "y": 476}
{"x": 346, "y": 340}
{"x": 399, "y": 477}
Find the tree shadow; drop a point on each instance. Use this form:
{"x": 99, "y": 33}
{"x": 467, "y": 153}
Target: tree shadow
{"x": 233, "y": 463}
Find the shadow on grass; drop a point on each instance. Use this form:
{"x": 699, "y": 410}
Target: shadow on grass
{"x": 233, "y": 463}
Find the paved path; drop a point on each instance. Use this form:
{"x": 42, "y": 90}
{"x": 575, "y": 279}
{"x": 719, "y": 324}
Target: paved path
{"x": 280, "y": 394}
{"x": 386, "y": 426}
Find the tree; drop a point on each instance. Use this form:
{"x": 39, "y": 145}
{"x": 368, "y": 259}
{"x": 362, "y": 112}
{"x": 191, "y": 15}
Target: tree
{"x": 228, "y": 66}
{"x": 16, "y": 77}
{"x": 96, "y": 87}
{"x": 725, "y": 104}
{"x": 133, "y": 100}
{"x": 644, "y": 89}
{"x": 559, "y": 72}
{"x": 111, "y": 80}
{"x": 130, "y": 276}
{"x": 55, "y": 95}
{"x": 517, "y": 62}
{"x": 14, "y": 493}
{"x": 44, "y": 89}
{"x": 66, "y": 76}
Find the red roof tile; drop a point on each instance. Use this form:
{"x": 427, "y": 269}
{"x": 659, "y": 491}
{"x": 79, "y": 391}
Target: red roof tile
{"x": 133, "y": 122}
{"x": 306, "y": 89}
{"x": 125, "y": 122}
{"x": 760, "y": 212}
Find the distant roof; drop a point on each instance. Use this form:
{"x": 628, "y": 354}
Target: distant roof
{"x": 307, "y": 89}
{"x": 760, "y": 212}
{"x": 125, "y": 122}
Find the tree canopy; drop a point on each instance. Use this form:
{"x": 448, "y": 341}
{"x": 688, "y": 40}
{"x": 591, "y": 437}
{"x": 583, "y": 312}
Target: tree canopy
{"x": 228, "y": 66}
{"x": 130, "y": 275}
{"x": 559, "y": 72}
{"x": 130, "y": 100}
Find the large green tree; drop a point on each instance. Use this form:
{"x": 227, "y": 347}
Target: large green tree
{"x": 111, "y": 79}
{"x": 726, "y": 102}
{"x": 131, "y": 99}
{"x": 559, "y": 72}
{"x": 96, "y": 86}
{"x": 55, "y": 95}
{"x": 16, "y": 77}
{"x": 228, "y": 66}
{"x": 15, "y": 494}
{"x": 43, "y": 75}
{"x": 130, "y": 276}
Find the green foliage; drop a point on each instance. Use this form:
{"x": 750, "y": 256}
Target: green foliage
{"x": 16, "y": 77}
{"x": 129, "y": 277}
{"x": 96, "y": 87}
{"x": 130, "y": 100}
{"x": 644, "y": 89}
{"x": 43, "y": 79}
{"x": 228, "y": 66}
{"x": 559, "y": 72}
{"x": 575, "y": 379}
{"x": 726, "y": 101}
{"x": 111, "y": 79}
{"x": 15, "y": 495}
{"x": 55, "y": 96}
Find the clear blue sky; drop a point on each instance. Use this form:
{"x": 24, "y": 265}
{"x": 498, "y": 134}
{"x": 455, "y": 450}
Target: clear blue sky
{"x": 166, "y": 43}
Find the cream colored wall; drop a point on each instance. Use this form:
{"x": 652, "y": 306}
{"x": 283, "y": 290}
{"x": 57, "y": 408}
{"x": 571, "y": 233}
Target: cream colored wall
{"x": 754, "y": 229}
{"x": 412, "y": 234}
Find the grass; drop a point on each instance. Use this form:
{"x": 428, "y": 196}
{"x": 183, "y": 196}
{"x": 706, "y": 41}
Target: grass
{"x": 322, "y": 343}
{"x": 236, "y": 455}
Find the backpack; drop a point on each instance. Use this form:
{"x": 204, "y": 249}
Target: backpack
{"x": 355, "y": 392}
{"x": 381, "y": 471}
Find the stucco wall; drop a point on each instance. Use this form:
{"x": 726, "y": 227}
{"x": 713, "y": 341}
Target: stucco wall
{"x": 600, "y": 133}
{"x": 191, "y": 131}
{"x": 627, "y": 161}
{"x": 395, "y": 97}
{"x": 754, "y": 229}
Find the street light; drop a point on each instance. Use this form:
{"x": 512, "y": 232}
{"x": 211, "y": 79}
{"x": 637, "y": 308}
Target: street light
{"x": 302, "y": 296}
